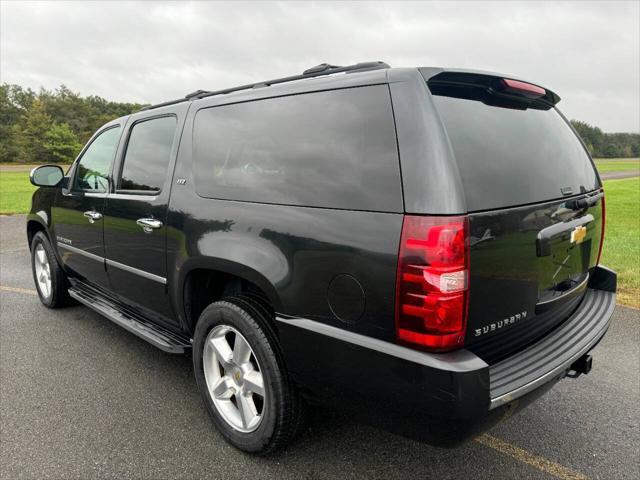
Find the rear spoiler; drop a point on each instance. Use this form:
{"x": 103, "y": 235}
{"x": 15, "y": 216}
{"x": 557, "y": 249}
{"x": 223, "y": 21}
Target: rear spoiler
{"x": 494, "y": 86}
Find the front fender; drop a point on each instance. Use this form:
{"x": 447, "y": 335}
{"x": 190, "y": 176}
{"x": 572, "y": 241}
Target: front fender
{"x": 40, "y": 213}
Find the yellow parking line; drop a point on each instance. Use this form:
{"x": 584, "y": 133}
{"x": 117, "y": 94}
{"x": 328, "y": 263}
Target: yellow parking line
{"x": 536, "y": 461}
{"x": 18, "y": 290}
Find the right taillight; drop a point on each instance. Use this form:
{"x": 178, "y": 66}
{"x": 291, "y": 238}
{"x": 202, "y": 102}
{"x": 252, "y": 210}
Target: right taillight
{"x": 603, "y": 216}
{"x": 432, "y": 282}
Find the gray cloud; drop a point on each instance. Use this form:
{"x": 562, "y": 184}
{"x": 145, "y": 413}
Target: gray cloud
{"x": 588, "y": 52}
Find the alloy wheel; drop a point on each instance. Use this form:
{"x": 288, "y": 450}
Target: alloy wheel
{"x": 43, "y": 270}
{"x": 234, "y": 378}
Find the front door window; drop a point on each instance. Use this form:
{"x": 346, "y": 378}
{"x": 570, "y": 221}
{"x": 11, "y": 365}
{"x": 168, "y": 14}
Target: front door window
{"x": 93, "y": 169}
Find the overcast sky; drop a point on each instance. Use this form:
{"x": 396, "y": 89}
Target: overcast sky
{"x": 588, "y": 52}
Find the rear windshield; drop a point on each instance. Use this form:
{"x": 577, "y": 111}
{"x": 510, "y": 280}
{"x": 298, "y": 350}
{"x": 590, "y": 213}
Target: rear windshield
{"x": 508, "y": 156}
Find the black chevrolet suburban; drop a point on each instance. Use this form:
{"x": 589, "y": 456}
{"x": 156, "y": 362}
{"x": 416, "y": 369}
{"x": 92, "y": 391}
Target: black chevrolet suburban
{"x": 417, "y": 246}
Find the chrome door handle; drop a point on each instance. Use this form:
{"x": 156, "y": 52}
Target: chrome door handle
{"x": 92, "y": 215}
{"x": 149, "y": 224}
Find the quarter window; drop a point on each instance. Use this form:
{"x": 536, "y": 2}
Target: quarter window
{"x": 333, "y": 149}
{"x": 148, "y": 154}
{"x": 93, "y": 168}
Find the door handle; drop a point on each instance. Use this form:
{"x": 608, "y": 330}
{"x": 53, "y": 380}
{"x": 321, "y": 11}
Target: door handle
{"x": 92, "y": 215}
{"x": 149, "y": 224}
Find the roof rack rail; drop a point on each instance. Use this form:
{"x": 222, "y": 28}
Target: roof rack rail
{"x": 317, "y": 71}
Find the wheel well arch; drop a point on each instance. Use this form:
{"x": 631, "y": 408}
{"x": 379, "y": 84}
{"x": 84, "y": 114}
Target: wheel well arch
{"x": 203, "y": 286}
{"x": 33, "y": 227}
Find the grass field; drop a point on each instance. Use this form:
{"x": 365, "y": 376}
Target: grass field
{"x": 15, "y": 192}
{"x": 621, "y": 247}
{"x": 617, "y": 164}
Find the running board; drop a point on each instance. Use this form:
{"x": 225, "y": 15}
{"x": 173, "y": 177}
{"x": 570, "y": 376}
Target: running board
{"x": 156, "y": 335}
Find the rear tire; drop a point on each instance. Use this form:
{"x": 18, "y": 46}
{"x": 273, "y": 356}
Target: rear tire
{"x": 260, "y": 307}
{"x": 256, "y": 380}
{"x": 51, "y": 281}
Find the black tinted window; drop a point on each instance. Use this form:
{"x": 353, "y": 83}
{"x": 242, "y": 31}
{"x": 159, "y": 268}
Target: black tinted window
{"x": 148, "y": 154}
{"x": 94, "y": 166}
{"x": 332, "y": 149}
{"x": 511, "y": 157}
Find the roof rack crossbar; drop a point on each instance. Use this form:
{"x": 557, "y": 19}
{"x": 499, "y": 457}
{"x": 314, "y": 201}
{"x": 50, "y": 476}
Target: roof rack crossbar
{"x": 317, "y": 71}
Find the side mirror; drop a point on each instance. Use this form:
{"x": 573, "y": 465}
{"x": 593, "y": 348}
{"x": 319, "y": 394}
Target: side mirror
{"x": 47, "y": 176}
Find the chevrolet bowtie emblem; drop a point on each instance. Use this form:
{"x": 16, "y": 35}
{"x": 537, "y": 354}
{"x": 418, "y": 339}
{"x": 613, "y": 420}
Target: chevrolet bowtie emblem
{"x": 578, "y": 234}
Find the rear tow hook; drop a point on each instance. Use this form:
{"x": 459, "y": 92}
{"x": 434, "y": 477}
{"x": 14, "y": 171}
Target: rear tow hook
{"x": 580, "y": 366}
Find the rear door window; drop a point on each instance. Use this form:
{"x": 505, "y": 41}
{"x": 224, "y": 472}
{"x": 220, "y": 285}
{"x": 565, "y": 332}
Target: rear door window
{"x": 148, "y": 154}
{"x": 509, "y": 156}
{"x": 333, "y": 149}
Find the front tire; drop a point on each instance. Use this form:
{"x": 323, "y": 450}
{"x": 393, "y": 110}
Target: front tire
{"x": 242, "y": 378}
{"x": 50, "y": 280}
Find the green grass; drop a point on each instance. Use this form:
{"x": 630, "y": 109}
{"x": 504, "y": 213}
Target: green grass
{"x": 617, "y": 164}
{"x": 15, "y": 192}
{"x": 621, "y": 249}
{"x": 30, "y": 165}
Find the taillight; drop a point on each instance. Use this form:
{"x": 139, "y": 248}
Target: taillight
{"x": 603, "y": 216}
{"x": 432, "y": 282}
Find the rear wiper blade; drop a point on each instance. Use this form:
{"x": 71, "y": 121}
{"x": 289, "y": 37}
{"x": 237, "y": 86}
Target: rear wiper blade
{"x": 586, "y": 202}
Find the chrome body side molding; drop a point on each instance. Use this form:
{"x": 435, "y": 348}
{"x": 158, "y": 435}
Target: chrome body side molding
{"x": 79, "y": 251}
{"x": 136, "y": 271}
{"x": 111, "y": 263}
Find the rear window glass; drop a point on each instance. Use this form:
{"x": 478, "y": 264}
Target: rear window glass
{"x": 334, "y": 149}
{"x": 512, "y": 157}
{"x": 148, "y": 155}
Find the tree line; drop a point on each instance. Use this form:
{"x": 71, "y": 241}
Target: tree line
{"x": 51, "y": 126}
{"x": 608, "y": 145}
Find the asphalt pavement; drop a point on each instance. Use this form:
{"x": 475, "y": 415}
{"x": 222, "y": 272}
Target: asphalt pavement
{"x": 619, "y": 175}
{"x": 82, "y": 398}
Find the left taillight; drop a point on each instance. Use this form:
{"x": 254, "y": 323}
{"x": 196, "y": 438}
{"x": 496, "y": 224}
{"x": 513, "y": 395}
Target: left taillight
{"x": 432, "y": 282}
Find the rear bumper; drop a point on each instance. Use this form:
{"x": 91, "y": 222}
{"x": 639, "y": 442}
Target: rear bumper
{"x": 442, "y": 399}
{"x": 519, "y": 374}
